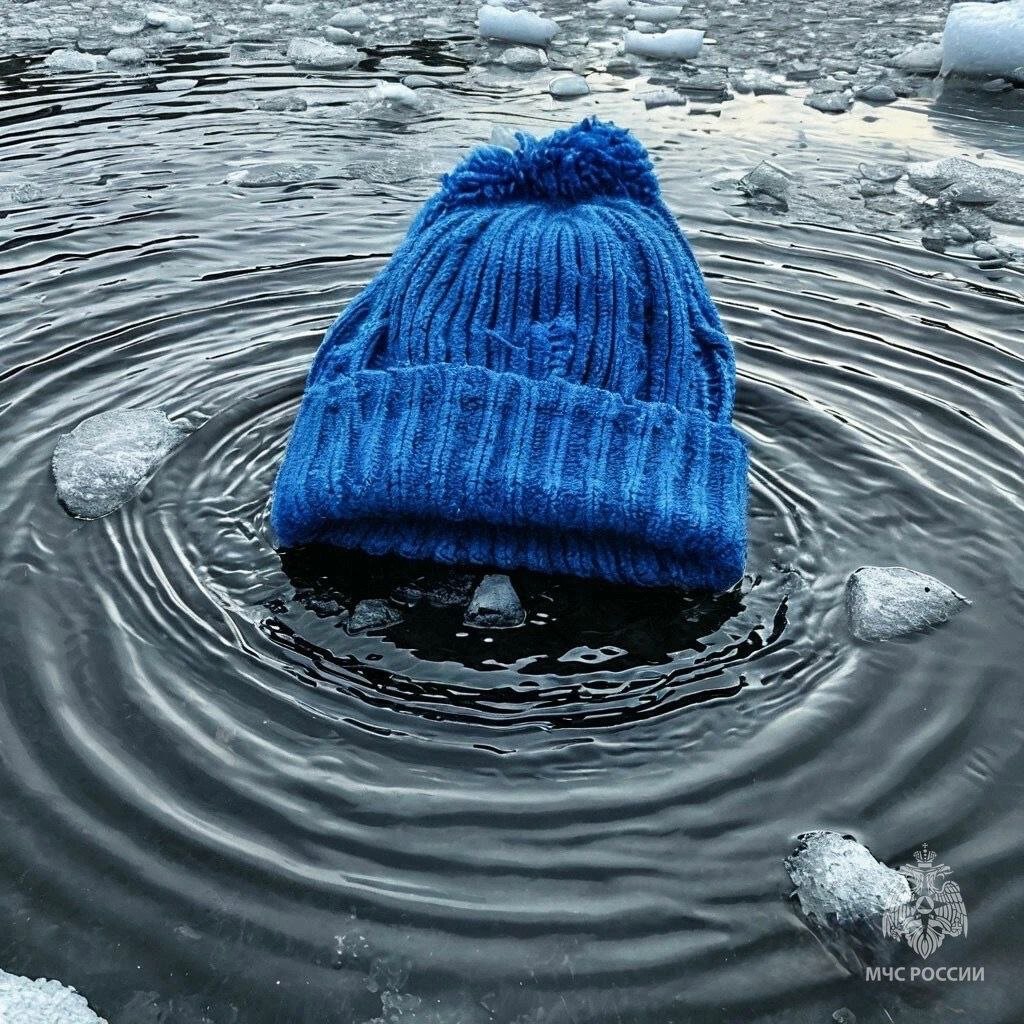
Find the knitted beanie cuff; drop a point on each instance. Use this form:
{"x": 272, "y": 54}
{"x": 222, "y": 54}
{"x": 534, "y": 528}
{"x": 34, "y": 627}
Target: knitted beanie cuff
{"x": 463, "y": 464}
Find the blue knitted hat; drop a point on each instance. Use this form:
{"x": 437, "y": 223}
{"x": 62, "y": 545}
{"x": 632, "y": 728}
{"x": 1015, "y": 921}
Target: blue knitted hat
{"x": 537, "y": 379}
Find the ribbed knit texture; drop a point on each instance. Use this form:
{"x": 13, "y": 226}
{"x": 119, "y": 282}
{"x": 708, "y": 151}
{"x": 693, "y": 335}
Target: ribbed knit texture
{"x": 537, "y": 379}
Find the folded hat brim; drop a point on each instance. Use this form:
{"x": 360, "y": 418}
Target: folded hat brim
{"x": 467, "y": 465}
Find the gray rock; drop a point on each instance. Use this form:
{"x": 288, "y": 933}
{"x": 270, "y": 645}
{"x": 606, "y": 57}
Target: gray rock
{"x": 23, "y": 1001}
{"x": 884, "y": 602}
{"x": 372, "y": 614}
{"x": 107, "y": 459}
{"x": 838, "y": 880}
{"x": 495, "y": 605}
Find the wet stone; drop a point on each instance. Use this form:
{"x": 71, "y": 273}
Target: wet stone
{"x": 372, "y": 614}
{"x": 107, "y": 459}
{"x": 495, "y": 605}
{"x": 884, "y": 602}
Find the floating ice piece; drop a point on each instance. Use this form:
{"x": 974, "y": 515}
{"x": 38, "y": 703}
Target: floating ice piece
{"x": 505, "y": 137}
{"x": 275, "y": 173}
{"x": 655, "y": 13}
{"x": 421, "y": 82}
{"x": 373, "y": 614}
{"x": 964, "y": 181}
{"x": 315, "y": 53}
{"x": 286, "y": 103}
{"x": 758, "y": 82}
{"x": 340, "y": 35}
{"x": 618, "y": 7}
{"x": 566, "y": 87}
{"x": 127, "y": 55}
{"x": 107, "y": 459}
{"x": 170, "y": 21}
{"x": 19, "y": 191}
{"x": 838, "y": 880}
{"x": 396, "y": 95}
{"x": 921, "y": 59}
{"x": 830, "y": 102}
{"x": 984, "y": 39}
{"x": 516, "y": 26}
{"x": 767, "y": 180}
{"x": 877, "y": 93}
{"x": 128, "y": 28}
{"x": 884, "y": 602}
{"x": 675, "y": 44}
{"x": 524, "y": 58}
{"x": 447, "y": 590}
{"x": 624, "y": 67}
{"x": 661, "y": 97}
{"x": 352, "y": 19}
{"x": 495, "y": 605}
{"x": 71, "y": 60}
{"x": 24, "y": 1001}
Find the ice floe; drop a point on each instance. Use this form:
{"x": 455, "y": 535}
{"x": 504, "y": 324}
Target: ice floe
{"x": 315, "y": 53}
{"x": 515, "y": 26}
{"x": 884, "y": 602}
{"x": 675, "y": 44}
{"x": 107, "y": 459}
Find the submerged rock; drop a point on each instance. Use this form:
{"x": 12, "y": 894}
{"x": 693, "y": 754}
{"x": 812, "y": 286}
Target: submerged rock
{"x": 884, "y": 602}
{"x": 843, "y": 893}
{"x": 24, "y": 1001}
{"x": 372, "y": 614}
{"x": 495, "y": 604}
{"x": 107, "y": 459}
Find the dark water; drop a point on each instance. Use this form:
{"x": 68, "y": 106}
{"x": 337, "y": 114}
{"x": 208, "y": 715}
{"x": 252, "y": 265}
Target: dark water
{"x": 216, "y": 805}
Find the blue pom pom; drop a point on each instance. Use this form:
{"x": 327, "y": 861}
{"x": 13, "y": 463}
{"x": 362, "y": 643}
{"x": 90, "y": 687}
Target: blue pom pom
{"x": 593, "y": 158}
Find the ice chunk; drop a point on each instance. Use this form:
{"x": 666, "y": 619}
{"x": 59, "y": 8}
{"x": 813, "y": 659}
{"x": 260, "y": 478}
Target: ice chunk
{"x": 837, "y": 879}
{"x": 19, "y": 191}
{"x": 984, "y": 39}
{"x": 275, "y": 173}
{"x": 877, "y": 93}
{"x": 107, "y": 459}
{"x": 830, "y": 102}
{"x": 395, "y": 95}
{"x": 767, "y": 180}
{"x": 505, "y": 137}
{"x": 624, "y": 67}
{"x": 758, "y": 82}
{"x": 445, "y": 590}
{"x": 964, "y": 181}
{"x": 127, "y": 28}
{"x": 71, "y": 60}
{"x": 340, "y": 35}
{"x": 421, "y": 82}
{"x": 884, "y": 602}
{"x": 618, "y": 7}
{"x": 170, "y": 21}
{"x": 314, "y": 53}
{"x": 675, "y": 44}
{"x": 655, "y": 13}
{"x": 661, "y": 97}
{"x": 524, "y": 58}
{"x": 495, "y": 604}
{"x": 922, "y": 59}
{"x": 354, "y": 18}
{"x": 566, "y": 87}
{"x": 24, "y": 1001}
{"x": 516, "y": 26}
{"x": 127, "y": 55}
{"x": 287, "y": 103}
{"x": 373, "y": 614}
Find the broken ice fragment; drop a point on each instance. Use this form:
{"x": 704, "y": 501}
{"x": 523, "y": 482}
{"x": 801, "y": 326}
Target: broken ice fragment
{"x": 287, "y": 103}
{"x": 107, "y": 459}
{"x": 495, "y": 604}
{"x": 767, "y": 180}
{"x": 675, "y": 44}
{"x": 566, "y": 87}
{"x": 877, "y": 93}
{"x": 351, "y": 19}
{"x": 655, "y": 13}
{"x": 372, "y": 614}
{"x": 504, "y": 137}
{"x": 921, "y": 59}
{"x": 515, "y": 26}
{"x": 984, "y": 39}
{"x": 837, "y": 879}
{"x": 830, "y": 102}
{"x": 24, "y": 1001}
{"x": 758, "y": 82}
{"x": 314, "y": 53}
{"x": 394, "y": 94}
{"x": 661, "y": 97}
{"x": 964, "y": 181}
{"x": 884, "y": 602}
{"x": 71, "y": 61}
{"x": 127, "y": 55}
{"x": 524, "y": 58}
{"x": 273, "y": 174}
